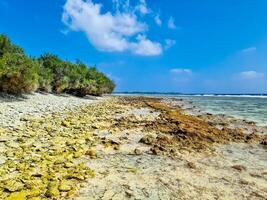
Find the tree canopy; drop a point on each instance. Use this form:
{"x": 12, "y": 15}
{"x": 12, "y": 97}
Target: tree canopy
{"x": 20, "y": 73}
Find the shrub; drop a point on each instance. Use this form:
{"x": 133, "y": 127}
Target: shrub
{"x": 7, "y": 47}
{"x": 21, "y": 74}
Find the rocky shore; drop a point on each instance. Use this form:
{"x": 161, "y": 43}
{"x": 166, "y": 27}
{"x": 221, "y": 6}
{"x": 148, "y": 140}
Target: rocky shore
{"x": 14, "y": 108}
{"x": 126, "y": 148}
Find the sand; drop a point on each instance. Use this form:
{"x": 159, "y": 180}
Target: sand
{"x": 132, "y": 148}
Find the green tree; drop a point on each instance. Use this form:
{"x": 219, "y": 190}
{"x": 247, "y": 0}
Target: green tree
{"x": 21, "y": 74}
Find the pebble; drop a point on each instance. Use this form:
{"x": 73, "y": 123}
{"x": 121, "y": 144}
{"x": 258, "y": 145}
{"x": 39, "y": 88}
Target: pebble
{"x": 14, "y": 109}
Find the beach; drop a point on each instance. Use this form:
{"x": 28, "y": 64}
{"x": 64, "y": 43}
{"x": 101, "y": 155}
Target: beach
{"x": 127, "y": 147}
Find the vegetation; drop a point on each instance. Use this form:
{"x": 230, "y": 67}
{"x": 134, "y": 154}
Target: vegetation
{"x": 22, "y": 74}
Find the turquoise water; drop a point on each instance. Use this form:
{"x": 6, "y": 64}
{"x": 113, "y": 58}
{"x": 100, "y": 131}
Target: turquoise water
{"x": 248, "y": 107}
{"x": 243, "y": 107}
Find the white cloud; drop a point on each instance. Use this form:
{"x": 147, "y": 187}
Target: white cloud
{"x": 251, "y": 75}
{"x": 250, "y": 49}
{"x": 181, "y": 75}
{"x": 118, "y": 32}
{"x": 171, "y": 23}
{"x": 158, "y": 20}
{"x": 169, "y": 43}
{"x": 146, "y": 47}
{"x": 179, "y": 71}
{"x": 142, "y": 7}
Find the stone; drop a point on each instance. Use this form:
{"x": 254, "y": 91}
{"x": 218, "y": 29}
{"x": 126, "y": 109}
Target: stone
{"x": 108, "y": 195}
{"x": 191, "y": 165}
{"x": 147, "y": 139}
{"x": 4, "y": 138}
{"x": 65, "y": 123}
{"x": 13, "y": 185}
{"x": 52, "y": 190}
{"x": 17, "y": 196}
{"x": 239, "y": 167}
{"x": 137, "y": 151}
{"x": 91, "y": 152}
{"x": 65, "y": 186}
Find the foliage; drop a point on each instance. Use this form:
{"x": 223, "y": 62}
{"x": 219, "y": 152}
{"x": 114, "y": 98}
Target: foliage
{"x": 22, "y": 74}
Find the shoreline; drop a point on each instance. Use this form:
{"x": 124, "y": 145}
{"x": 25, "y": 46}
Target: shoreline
{"x": 13, "y": 109}
{"x": 131, "y": 148}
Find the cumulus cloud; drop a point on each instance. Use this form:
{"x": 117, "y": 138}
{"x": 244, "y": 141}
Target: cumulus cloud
{"x": 146, "y": 47}
{"x": 178, "y": 71}
{"x": 171, "y": 23}
{"x": 158, "y": 20}
{"x": 112, "y": 32}
{"x": 250, "y": 49}
{"x": 251, "y": 75}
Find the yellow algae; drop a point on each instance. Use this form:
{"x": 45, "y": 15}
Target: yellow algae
{"x": 17, "y": 196}
{"x": 34, "y": 193}
{"x": 65, "y": 185}
{"x": 34, "y": 198}
{"x": 12, "y": 185}
{"x": 52, "y": 189}
{"x": 42, "y": 157}
{"x": 65, "y": 123}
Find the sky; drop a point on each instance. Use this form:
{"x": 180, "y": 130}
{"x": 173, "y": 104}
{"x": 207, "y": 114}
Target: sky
{"x": 187, "y": 46}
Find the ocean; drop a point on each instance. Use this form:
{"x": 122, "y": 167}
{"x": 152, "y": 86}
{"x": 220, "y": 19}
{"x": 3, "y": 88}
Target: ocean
{"x": 248, "y": 107}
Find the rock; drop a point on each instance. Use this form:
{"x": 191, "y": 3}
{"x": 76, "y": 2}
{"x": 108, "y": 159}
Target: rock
{"x": 239, "y": 167}
{"x": 17, "y": 196}
{"x": 243, "y": 182}
{"x": 12, "y": 144}
{"x": 129, "y": 193}
{"x": 35, "y": 198}
{"x": 108, "y": 195}
{"x": 4, "y": 138}
{"x": 92, "y": 153}
{"x": 65, "y": 123}
{"x": 155, "y": 150}
{"x": 52, "y": 190}
{"x": 65, "y": 186}
{"x": 116, "y": 147}
{"x": 2, "y": 160}
{"x": 191, "y": 165}
{"x": 137, "y": 151}
{"x": 13, "y": 185}
{"x": 148, "y": 139}
{"x": 34, "y": 192}
{"x": 68, "y": 164}
{"x": 264, "y": 142}
{"x": 118, "y": 196}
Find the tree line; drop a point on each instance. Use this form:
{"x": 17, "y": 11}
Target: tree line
{"x": 20, "y": 74}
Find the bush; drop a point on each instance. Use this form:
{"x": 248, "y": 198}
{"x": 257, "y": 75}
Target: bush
{"x": 7, "y": 47}
{"x": 21, "y": 74}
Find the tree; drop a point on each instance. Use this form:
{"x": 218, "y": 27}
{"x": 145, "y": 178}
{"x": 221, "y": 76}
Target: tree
{"x": 22, "y": 74}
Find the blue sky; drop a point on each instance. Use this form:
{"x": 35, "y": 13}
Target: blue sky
{"x": 186, "y": 46}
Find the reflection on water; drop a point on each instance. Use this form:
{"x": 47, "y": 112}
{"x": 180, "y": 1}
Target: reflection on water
{"x": 249, "y": 108}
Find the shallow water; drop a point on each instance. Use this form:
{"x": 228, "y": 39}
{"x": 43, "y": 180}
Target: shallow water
{"x": 248, "y": 108}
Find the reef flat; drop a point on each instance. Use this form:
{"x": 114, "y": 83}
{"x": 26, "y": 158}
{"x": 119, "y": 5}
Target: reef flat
{"x": 131, "y": 148}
